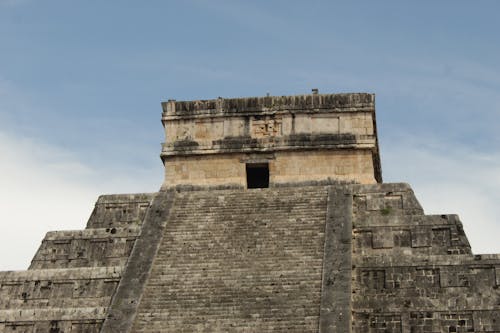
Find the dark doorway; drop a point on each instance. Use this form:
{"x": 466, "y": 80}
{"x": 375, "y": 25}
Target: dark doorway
{"x": 257, "y": 175}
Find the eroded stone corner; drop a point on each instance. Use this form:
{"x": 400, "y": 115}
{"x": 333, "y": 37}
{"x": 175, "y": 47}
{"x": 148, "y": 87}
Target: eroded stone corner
{"x": 127, "y": 297}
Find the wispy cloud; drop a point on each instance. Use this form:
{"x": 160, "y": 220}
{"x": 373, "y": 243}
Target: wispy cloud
{"x": 41, "y": 190}
{"x": 450, "y": 179}
{"x": 44, "y": 188}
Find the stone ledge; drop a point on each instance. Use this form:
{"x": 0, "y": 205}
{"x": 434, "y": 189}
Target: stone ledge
{"x": 289, "y": 143}
{"x": 94, "y": 233}
{"x": 52, "y": 314}
{"x": 124, "y": 198}
{"x": 388, "y": 260}
{"x": 336, "y": 102}
{"x": 62, "y": 274}
{"x": 167, "y": 153}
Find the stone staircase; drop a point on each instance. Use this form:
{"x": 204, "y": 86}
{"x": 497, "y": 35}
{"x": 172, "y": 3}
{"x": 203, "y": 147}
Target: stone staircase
{"x": 342, "y": 258}
{"x": 238, "y": 261}
{"x": 70, "y": 282}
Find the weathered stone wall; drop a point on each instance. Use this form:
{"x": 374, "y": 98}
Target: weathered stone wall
{"x": 119, "y": 210}
{"x": 208, "y": 142}
{"x": 123, "y": 308}
{"x": 415, "y": 273}
{"x": 284, "y": 168}
{"x": 74, "y": 274}
{"x": 212, "y": 170}
{"x": 76, "y": 287}
{"x": 319, "y": 165}
{"x": 212, "y": 134}
{"x": 85, "y": 248}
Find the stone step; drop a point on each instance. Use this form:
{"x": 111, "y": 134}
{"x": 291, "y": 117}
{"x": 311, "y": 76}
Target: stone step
{"x": 120, "y": 210}
{"x": 300, "y": 322}
{"x": 228, "y": 258}
{"x": 79, "y": 320}
{"x": 410, "y": 235}
{"x": 385, "y": 199}
{"x": 58, "y": 288}
{"x": 85, "y": 248}
{"x": 417, "y": 273}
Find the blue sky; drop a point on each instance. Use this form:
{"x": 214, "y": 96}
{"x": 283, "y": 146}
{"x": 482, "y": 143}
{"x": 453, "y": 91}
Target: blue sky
{"x": 81, "y": 84}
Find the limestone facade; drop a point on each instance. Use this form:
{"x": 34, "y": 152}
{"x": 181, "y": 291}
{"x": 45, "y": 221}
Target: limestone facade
{"x": 209, "y": 143}
{"x": 284, "y": 167}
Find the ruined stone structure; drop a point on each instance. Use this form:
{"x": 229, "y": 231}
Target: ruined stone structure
{"x": 272, "y": 218}
{"x": 301, "y": 139}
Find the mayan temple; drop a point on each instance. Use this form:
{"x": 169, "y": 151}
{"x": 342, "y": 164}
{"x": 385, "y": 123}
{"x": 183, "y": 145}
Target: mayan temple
{"x": 272, "y": 217}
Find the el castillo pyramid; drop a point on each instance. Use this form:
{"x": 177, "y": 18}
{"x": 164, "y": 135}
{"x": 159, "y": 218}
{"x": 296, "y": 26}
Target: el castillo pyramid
{"x": 272, "y": 217}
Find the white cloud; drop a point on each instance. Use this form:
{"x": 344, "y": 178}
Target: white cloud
{"x": 450, "y": 179}
{"x": 44, "y": 188}
{"x": 38, "y": 194}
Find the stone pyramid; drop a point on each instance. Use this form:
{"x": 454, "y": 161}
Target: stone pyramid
{"x": 273, "y": 217}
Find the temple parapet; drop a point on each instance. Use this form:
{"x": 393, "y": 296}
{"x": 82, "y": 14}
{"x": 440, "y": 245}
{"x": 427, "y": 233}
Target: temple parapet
{"x": 289, "y": 139}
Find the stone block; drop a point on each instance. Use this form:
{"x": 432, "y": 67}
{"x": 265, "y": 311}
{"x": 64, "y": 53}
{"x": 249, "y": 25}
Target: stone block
{"x": 119, "y": 210}
{"x": 91, "y": 247}
{"x": 421, "y": 237}
{"x": 383, "y": 238}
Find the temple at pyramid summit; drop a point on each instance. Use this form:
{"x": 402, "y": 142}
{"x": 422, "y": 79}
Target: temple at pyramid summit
{"x": 272, "y": 217}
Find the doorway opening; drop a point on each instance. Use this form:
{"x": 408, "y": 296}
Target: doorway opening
{"x": 257, "y": 175}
